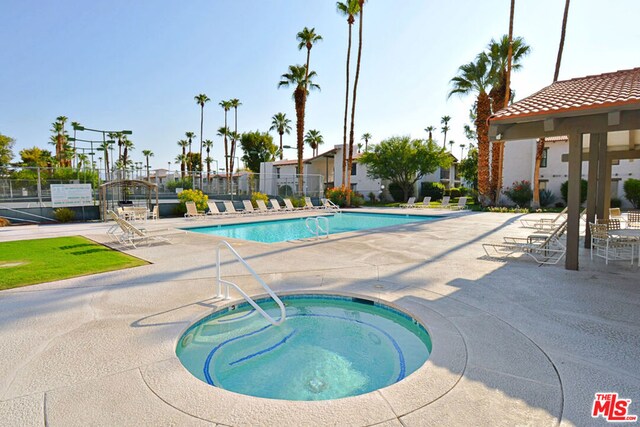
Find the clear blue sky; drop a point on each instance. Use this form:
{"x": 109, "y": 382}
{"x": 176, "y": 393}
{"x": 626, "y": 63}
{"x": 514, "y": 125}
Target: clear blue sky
{"x": 137, "y": 65}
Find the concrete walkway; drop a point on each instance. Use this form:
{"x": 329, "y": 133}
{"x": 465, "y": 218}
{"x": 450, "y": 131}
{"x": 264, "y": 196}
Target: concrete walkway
{"x": 513, "y": 343}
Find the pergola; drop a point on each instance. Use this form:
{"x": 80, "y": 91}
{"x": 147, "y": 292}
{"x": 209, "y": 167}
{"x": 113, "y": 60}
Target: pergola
{"x": 588, "y": 110}
{"x": 124, "y": 183}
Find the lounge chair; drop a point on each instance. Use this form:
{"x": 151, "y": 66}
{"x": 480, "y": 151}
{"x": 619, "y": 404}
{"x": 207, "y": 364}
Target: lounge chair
{"x": 213, "y": 209}
{"x": 130, "y": 234}
{"x": 248, "y": 207}
{"x": 426, "y": 202}
{"x": 275, "y": 206}
{"x": 262, "y": 206}
{"x": 445, "y": 202}
{"x": 289, "y": 206}
{"x": 308, "y": 204}
{"x": 228, "y": 207}
{"x": 329, "y": 205}
{"x": 411, "y": 203}
{"x": 544, "y": 223}
{"x": 462, "y": 205}
{"x": 611, "y": 247}
{"x": 543, "y": 248}
{"x": 192, "y": 211}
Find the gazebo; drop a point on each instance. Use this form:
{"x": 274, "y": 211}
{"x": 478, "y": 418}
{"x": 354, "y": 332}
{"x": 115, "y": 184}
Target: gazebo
{"x": 588, "y": 110}
{"x": 121, "y": 184}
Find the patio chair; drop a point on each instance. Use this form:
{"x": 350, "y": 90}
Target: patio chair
{"x": 462, "y": 205}
{"x": 633, "y": 219}
{"x": 248, "y": 207}
{"x": 308, "y": 204}
{"x": 289, "y": 206}
{"x": 611, "y": 223}
{"x": 544, "y": 249}
{"x": 445, "y": 202}
{"x": 154, "y": 213}
{"x": 130, "y": 234}
{"x": 262, "y": 206}
{"x": 616, "y": 213}
{"x": 228, "y": 207}
{"x": 192, "y": 211}
{"x": 275, "y": 206}
{"x": 426, "y": 202}
{"x": 610, "y": 247}
{"x": 213, "y": 209}
{"x": 543, "y": 223}
{"x": 411, "y": 203}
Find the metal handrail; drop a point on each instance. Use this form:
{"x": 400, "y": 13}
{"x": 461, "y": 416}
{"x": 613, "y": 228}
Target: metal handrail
{"x": 318, "y": 228}
{"x": 244, "y": 295}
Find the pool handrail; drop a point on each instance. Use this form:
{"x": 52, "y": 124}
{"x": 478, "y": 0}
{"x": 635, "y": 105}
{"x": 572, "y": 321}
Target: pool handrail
{"x": 318, "y": 228}
{"x": 221, "y": 281}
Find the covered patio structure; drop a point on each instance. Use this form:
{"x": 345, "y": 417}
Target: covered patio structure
{"x": 600, "y": 115}
{"x": 114, "y": 193}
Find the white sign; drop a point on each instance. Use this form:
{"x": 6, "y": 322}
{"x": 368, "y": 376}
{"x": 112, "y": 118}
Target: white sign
{"x": 64, "y": 195}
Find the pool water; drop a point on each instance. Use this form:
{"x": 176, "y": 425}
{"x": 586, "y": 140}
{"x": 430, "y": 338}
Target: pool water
{"x": 329, "y": 347}
{"x": 295, "y": 228}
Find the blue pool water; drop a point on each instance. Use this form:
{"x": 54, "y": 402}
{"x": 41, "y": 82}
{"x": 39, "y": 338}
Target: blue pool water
{"x": 329, "y": 347}
{"x": 295, "y": 228}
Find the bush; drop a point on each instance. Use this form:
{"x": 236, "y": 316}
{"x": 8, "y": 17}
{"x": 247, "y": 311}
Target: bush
{"x": 519, "y": 193}
{"x": 583, "y": 190}
{"x": 185, "y": 184}
{"x": 297, "y": 202}
{"x": 546, "y": 197}
{"x": 197, "y": 196}
{"x": 454, "y": 192}
{"x": 464, "y": 191}
{"x": 616, "y": 202}
{"x": 372, "y": 197}
{"x": 397, "y": 193}
{"x": 258, "y": 196}
{"x": 64, "y": 214}
{"x": 338, "y": 195}
{"x": 632, "y": 191}
{"x": 433, "y": 189}
{"x": 4, "y": 222}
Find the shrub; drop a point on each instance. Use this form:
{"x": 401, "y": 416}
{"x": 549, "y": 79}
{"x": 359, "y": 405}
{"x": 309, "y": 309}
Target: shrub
{"x": 372, "y": 197}
{"x": 433, "y": 189}
{"x": 454, "y": 192}
{"x": 64, "y": 214}
{"x": 338, "y": 195}
{"x": 583, "y": 190}
{"x": 185, "y": 184}
{"x": 4, "y": 222}
{"x": 298, "y": 202}
{"x": 397, "y": 193}
{"x": 519, "y": 193}
{"x": 546, "y": 197}
{"x": 632, "y": 191}
{"x": 616, "y": 202}
{"x": 464, "y": 191}
{"x": 197, "y": 196}
{"x": 505, "y": 209}
{"x": 258, "y": 196}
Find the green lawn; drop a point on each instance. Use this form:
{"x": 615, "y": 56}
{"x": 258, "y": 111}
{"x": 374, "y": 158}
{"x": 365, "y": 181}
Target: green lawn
{"x": 27, "y": 262}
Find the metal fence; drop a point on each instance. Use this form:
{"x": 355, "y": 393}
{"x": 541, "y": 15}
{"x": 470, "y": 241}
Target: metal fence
{"x": 31, "y": 187}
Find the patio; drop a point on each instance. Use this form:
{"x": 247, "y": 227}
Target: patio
{"x": 514, "y": 343}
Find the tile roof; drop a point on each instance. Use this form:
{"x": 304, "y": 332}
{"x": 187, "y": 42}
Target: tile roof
{"x": 601, "y": 91}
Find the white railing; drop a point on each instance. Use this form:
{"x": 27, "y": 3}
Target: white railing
{"x": 221, "y": 281}
{"x": 314, "y": 226}
{"x": 329, "y": 205}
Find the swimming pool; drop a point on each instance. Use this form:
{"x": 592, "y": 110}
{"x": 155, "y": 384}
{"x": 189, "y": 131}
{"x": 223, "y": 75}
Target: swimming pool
{"x": 295, "y": 228}
{"x": 329, "y": 347}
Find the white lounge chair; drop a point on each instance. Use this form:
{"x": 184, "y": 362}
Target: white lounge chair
{"x": 411, "y": 203}
{"x": 192, "y": 211}
{"x": 426, "y": 202}
{"x": 130, "y": 234}
{"x": 544, "y": 223}
{"x": 289, "y": 206}
{"x": 275, "y": 206}
{"x": 248, "y": 207}
{"x": 213, "y": 209}
{"x": 445, "y": 202}
{"x": 262, "y": 206}
{"x": 228, "y": 207}
{"x": 308, "y": 204}
{"x": 462, "y": 205}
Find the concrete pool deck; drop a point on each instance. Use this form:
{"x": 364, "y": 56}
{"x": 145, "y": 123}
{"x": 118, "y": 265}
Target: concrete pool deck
{"x": 513, "y": 343}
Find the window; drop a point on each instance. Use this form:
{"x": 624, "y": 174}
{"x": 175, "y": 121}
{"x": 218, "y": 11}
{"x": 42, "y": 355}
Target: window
{"x": 543, "y": 184}
{"x": 354, "y": 187}
{"x": 277, "y": 172}
{"x": 543, "y": 160}
{"x": 353, "y": 169}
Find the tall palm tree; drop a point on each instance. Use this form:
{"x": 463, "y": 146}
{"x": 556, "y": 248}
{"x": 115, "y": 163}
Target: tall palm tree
{"x": 476, "y": 77}
{"x": 562, "y": 36}
{"x": 234, "y": 137}
{"x": 451, "y": 146}
{"x": 127, "y": 147}
{"x": 302, "y": 82}
{"x": 147, "y": 154}
{"x": 207, "y": 143}
{"x": 280, "y": 123}
{"x": 313, "y": 139}
{"x": 226, "y": 106}
{"x": 366, "y": 136}
{"x": 350, "y": 9}
{"x": 306, "y": 39}
{"x": 190, "y": 136}
{"x": 104, "y": 147}
{"x": 82, "y": 159}
{"x": 183, "y": 143}
{"x": 201, "y": 100}
{"x": 445, "y": 128}
{"x": 353, "y": 101}
{"x": 462, "y": 150}
{"x": 430, "y": 129}
{"x": 235, "y": 103}
{"x": 74, "y": 125}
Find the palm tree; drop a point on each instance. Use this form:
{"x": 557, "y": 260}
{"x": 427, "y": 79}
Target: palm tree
{"x": 234, "y": 137}
{"x": 313, "y": 139}
{"x": 82, "y": 159}
{"x": 190, "y": 136}
{"x": 307, "y": 38}
{"x": 280, "y": 124}
{"x": 366, "y": 136}
{"x": 201, "y": 100}
{"x": 477, "y": 77}
{"x": 208, "y": 144}
{"x": 350, "y": 9}
{"x": 127, "y": 146}
{"x": 183, "y": 143}
{"x": 445, "y": 128}
{"x": 235, "y": 103}
{"x": 74, "y": 125}
{"x": 226, "y": 106}
{"x": 104, "y": 147}
{"x": 469, "y": 133}
{"x": 301, "y": 80}
{"x": 147, "y": 154}
{"x": 353, "y": 101}
{"x": 430, "y": 129}
{"x": 562, "y": 36}
{"x": 451, "y": 146}
{"x": 462, "y": 150}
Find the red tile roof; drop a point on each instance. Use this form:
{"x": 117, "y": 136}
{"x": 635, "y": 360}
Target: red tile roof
{"x": 585, "y": 93}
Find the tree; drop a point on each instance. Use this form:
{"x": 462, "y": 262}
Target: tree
{"x": 127, "y": 146}
{"x": 104, "y": 147}
{"x": 313, "y": 139}
{"x": 280, "y": 123}
{"x": 34, "y": 157}
{"x": 366, "y": 136}
{"x": 201, "y": 100}
{"x": 296, "y": 77}
{"x": 306, "y": 39}
{"x": 208, "y": 144}
{"x": 6, "y": 153}
{"x": 430, "y": 130}
{"x": 75, "y": 126}
{"x": 445, "y": 128}
{"x": 469, "y": 133}
{"x": 561, "y": 45}
{"x": 235, "y": 103}
{"x": 476, "y": 77}
{"x": 468, "y": 167}
{"x": 404, "y": 161}
{"x": 350, "y": 9}
{"x": 147, "y": 154}
{"x": 258, "y": 147}
{"x": 183, "y": 143}
{"x": 226, "y": 106}
{"x": 353, "y": 100}
{"x": 59, "y": 139}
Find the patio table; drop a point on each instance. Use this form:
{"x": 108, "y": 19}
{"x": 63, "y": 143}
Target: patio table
{"x": 631, "y": 234}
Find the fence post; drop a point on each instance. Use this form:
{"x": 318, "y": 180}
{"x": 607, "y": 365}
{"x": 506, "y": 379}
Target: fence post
{"x": 39, "y": 186}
